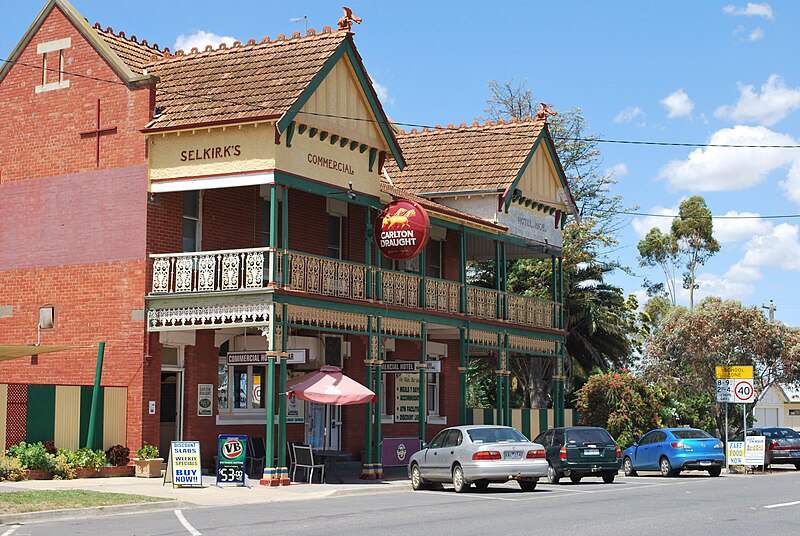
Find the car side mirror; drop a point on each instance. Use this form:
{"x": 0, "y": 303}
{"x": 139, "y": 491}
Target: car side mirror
{"x": 635, "y": 444}
{"x": 424, "y": 444}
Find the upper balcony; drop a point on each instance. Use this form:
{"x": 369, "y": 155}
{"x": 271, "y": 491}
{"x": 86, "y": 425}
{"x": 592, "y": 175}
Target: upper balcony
{"x": 245, "y": 270}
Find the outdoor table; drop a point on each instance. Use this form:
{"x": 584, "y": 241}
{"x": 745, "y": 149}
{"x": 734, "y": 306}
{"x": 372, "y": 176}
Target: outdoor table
{"x": 329, "y": 458}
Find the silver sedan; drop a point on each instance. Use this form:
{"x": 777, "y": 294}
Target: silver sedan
{"x": 480, "y": 455}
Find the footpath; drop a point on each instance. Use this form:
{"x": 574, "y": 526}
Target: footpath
{"x": 209, "y": 495}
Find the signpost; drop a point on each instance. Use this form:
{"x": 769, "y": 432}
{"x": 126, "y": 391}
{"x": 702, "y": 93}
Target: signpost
{"x": 231, "y": 456}
{"x": 183, "y": 465}
{"x": 735, "y": 384}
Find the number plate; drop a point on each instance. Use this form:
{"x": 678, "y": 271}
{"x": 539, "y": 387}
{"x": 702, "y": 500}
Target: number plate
{"x": 513, "y": 455}
{"x": 705, "y": 463}
{"x": 794, "y": 453}
{"x": 591, "y": 452}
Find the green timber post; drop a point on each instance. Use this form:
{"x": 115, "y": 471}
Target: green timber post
{"x": 563, "y": 346}
{"x": 463, "y": 346}
{"x": 554, "y": 290}
{"x": 499, "y": 377}
{"x": 377, "y": 459}
{"x": 498, "y": 280}
{"x": 558, "y": 387}
{"x": 285, "y": 233}
{"x": 378, "y": 275}
{"x": 284, "y": 356}
{"x": 462, "y": 274}
{"x": 507, "y": 375}
{"x": 98, "y": 374}
{"x": 504, "y": 294}
{"x": 421, "y": 394}
{"x": 366, "y": 462}
{"x": 270, "y": 472}
{"x": 368, "y": 255}
{"x": 273, "y": 236}
{"x": 423, "y": 283}
{"x": 561, "y": 293}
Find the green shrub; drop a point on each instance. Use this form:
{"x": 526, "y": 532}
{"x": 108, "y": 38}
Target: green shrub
{"x": 90, "y": 459}
{"x": 33, "y": 456}
{"x": 11, "y": 469}
{"x": 147, "y": 452}
{"x": 65, "y": 465}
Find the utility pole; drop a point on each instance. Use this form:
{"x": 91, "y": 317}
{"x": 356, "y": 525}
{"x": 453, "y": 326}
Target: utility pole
{"x": 771, "y": 308}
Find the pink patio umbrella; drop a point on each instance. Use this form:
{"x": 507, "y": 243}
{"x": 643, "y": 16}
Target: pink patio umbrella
{"x": 329, "y": 386}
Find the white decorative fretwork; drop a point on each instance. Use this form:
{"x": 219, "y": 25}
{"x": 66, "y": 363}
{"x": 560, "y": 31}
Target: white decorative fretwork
{"x": 402, "y": 328}
{"x": 531, "y": 344}
{"x": 482, "y": 302}
{"x": 482, "y": 337}
{"x": 216, "y": 315}
{"x": 324, "y": 318}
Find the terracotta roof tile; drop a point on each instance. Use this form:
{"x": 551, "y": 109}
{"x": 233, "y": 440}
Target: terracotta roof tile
{"x": 135, "y": 54}
{"x": 240, "y": 82}
{"x": 478, "y": 157}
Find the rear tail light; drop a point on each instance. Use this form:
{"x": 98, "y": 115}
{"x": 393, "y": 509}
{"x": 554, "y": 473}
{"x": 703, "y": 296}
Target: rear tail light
{"x": 535, "y": 454}
{"x": 773, "y": 445}
{"x": 619, "y": 452}
{"x": 719, "y": 445}
{"x": 487, "y": 455}
{"x": 677, "y": 445}
{"x": 562, "y": 454}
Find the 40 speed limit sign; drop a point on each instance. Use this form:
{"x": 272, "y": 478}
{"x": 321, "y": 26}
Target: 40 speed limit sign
{"x": 743, "y": 391}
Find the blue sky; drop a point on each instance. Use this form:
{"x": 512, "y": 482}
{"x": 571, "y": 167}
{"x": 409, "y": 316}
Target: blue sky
{"x": 665, "y": 71}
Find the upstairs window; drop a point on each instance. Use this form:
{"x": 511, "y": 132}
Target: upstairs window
{"x": 334, "y": 236}
{"x": 52, "y": 53}
{"x": 192, "y": 210}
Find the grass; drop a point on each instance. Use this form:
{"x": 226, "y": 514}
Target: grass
{"x": 14, "y": 502}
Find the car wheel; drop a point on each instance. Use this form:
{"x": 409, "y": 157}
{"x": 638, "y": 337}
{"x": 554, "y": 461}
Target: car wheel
{"x": 417, "y": 482}
{"x": 575, "y": 479}
{"x": 666, "y": 467}
{"x": 608, "y": 478}
{"x": 527, "y": 485}
{"x": 481, "y": 484}
{"x": 797, "y": 466}
{"x": 459, "y": 484}
{"x": 715, "y": 471}
{"x": 552, "y": 475}
{"x": 628, "y": 466}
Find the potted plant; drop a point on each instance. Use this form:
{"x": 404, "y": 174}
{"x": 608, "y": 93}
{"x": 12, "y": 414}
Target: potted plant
{"x": 148, "y": 464}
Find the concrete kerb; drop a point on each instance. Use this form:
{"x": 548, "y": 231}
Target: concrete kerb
{"x": 86, "y": 513}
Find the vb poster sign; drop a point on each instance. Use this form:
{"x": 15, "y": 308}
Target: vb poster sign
{"x": 231, "y": 457}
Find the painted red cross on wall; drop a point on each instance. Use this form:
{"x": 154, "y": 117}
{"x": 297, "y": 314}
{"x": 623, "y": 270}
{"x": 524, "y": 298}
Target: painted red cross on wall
{"x": 97, "y": 132}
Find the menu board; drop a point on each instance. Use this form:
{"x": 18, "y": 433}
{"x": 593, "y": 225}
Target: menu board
{"x": 406, "y": 398}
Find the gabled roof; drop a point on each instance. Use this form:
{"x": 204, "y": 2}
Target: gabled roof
{"x": 241, "y": 82}
{"x": 790, "y": 391}
{"x": 481, "y": 158}
{"x": 101, "y": 44}
{"x": 133, "y": 53}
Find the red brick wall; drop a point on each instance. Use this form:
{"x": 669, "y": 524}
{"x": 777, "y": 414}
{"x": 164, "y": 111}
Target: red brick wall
{"x": 92, "y": 303}
{"x": 49, "y": 124}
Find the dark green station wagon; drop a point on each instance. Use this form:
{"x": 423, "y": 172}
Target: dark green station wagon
{"x": 579, "y": 451}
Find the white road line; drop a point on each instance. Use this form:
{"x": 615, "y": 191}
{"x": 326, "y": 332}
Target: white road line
{"x": 10, "y": 531}
{"x": 193, "y": 531}
{"x": 782, "y": 504}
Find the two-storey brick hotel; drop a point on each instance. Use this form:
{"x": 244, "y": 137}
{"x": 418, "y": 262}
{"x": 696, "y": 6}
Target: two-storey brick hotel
{"x": 210, "y": 216}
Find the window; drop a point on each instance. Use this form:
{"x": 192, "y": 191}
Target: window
{"x": 265, "y": 221}
{"x": 53, "y": 64}
{"x": 435, "y": 259}
{"x": 453, "y": 438}
{"x": 192, "y": 209}
{"x": 438, "y": 441}
{"x": 432, "y": 393}
{"x": 334, "y": 236}
{"x": 239, "y": 387}
{"x": 333, "y": 350}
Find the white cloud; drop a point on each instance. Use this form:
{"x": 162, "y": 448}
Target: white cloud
{"x": 383, "y": 93}
{"x": 629, "y": 114}
{"x": 616, "y": 171}
{"x": 779, "y": 248}
{"x": 716, "y": 169}
{"x": 661, "y": 218}
{"x": 738, "y": 226}
{"x": 750, "y": 10}
{"x": 678, "y": 104}
{"x": 756, "y": 35}
{"x": 200, "y": 40}
{"x": 792, "y": 183}
{"x": 736, "y": 284}
{"x": 775, "y": 102}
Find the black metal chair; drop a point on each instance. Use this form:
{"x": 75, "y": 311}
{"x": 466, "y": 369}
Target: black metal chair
{"x": 304, "y": 458}
{"x": 256, "y": 457}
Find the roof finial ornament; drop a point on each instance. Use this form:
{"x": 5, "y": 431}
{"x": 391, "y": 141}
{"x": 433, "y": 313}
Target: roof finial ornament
{"x": 346, "y": 22}
{"x": 544, "y": 112}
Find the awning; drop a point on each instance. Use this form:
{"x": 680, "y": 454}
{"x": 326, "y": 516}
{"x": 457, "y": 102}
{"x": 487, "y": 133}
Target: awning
{"x": 24, "y": 350}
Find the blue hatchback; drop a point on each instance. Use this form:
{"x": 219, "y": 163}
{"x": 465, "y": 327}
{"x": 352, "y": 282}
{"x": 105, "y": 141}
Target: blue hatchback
{"x": 672, "y": 450}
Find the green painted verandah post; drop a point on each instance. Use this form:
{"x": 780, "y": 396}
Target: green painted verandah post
{"x": 507, "y": 375}
{"x": 499, "y": 378}
{"x": 377, "y": 458}
{"x": 463, "y": 348}
{"x": 366, "y": 464}
{"x": 284, "y": 356}
{"x": 422, "y": 393}
{"x": 270, "y": 472}
{"x": 98, "y": 374}
{"x": 462, "y": 274}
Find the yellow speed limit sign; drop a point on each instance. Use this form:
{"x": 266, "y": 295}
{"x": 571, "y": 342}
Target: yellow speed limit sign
{"x": 735, "y": 372}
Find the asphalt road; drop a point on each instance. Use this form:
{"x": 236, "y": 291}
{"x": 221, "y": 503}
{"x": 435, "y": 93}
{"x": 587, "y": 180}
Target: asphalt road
{"x": 690, "y": 504}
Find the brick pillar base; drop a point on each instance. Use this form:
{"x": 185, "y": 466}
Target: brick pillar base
{"x": 271, "y": 477}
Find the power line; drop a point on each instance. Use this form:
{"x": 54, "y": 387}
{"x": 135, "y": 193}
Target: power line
{"x": 712, "y": 217}
{"x": 412, "y": 125}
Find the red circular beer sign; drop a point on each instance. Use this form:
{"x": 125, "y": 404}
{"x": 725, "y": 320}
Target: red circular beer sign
{"x": 402, "y": 230}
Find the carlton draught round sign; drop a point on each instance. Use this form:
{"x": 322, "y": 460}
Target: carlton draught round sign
{"x": 402, "y": 230}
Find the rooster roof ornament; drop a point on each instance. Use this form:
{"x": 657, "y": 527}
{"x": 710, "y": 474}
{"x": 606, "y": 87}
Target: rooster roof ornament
{"x": 346, "y": 22}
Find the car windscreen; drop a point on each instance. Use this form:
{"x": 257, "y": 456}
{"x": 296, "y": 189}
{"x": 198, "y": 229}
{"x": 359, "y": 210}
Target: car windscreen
{"x": 495, "y": 435}
{"x": 780, "y": 433}
{"x": 690, "y": 434}
{"x": 582, "y": 436}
